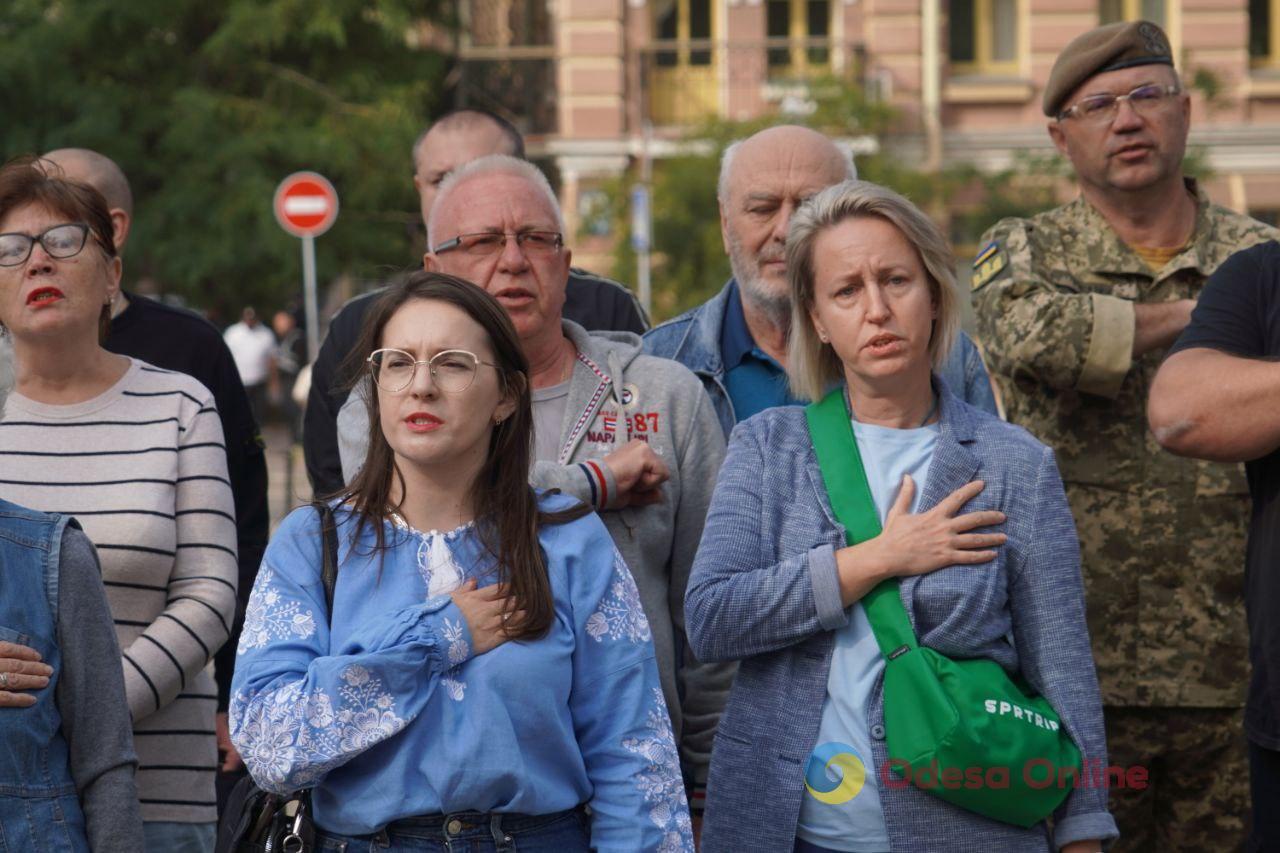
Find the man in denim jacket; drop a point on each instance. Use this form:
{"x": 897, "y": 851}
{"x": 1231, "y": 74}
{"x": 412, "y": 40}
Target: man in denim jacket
{"x": 736, "y": 342}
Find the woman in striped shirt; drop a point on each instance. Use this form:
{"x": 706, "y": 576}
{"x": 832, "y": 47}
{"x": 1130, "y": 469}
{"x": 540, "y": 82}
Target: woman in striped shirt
{"x": 136, "y": 455}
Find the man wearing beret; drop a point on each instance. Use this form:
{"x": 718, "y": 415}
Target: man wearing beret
{"x": 1076, "y": 307}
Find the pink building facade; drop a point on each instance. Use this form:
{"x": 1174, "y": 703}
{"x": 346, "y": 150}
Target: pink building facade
{"x": 597, "y": 84}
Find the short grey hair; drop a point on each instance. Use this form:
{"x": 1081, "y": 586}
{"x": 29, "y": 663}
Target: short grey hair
{"x": 731, "y": 151}
{"x": 813, "y": 366}
{"x": 493, "y": 164}
{"x": 8, "y": 376}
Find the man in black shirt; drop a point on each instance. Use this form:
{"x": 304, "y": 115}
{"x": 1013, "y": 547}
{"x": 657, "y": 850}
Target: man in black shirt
{"x": 595, "y": 303}
{"x": 1217, "y": 397}
{"x": 183, "y": 341}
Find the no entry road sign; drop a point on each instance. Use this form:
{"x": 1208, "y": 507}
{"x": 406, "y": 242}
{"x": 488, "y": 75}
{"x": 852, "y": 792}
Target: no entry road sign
{"x": 306, "y": 204}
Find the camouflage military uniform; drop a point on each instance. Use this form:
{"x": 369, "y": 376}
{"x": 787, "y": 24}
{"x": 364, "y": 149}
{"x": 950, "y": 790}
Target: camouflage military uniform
{"x": 1161, "y": 537}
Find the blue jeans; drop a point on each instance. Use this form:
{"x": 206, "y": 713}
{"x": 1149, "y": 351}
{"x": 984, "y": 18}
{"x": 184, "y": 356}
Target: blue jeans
{"x": 470, "y": 832}
{"x": 168, "y": 837}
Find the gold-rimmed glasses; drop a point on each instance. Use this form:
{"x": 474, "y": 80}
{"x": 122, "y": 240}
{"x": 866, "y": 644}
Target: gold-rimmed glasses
{"x": 1102, "y": 109}
{"x": 453, "y": 370}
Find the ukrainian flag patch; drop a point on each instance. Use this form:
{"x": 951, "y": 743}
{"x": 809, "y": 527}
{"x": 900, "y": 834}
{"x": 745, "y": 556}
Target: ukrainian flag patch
{"x": 987, "y": 265}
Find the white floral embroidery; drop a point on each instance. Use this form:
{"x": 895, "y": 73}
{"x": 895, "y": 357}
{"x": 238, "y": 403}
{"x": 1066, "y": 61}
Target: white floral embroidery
{"x": 453, "y": 688}
{"x": 290, "y": 739}
{"x": 270, "y": 617}
{"x": 659, "y": 781}
{"x": 458, "y": 653}
{"x": 458, "y": 648}
{"x": 620, "y": 613}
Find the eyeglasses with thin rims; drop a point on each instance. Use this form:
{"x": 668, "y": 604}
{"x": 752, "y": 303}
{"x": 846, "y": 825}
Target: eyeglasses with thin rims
{"x": 492, "y": 242}
{"x": 60, "y": 241}
{"x": 1097, "y": 109}
{"x": 452, "y": 370}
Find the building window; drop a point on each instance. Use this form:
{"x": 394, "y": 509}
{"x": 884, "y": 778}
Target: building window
{"x": 682, "y": 61}
{"x": 1111, "y": 11}
{"x": 984, "y": 36}
{"x": 806, "y": 25}
{"x": 1264, "y": 32}
{"x": 682, "y": 22}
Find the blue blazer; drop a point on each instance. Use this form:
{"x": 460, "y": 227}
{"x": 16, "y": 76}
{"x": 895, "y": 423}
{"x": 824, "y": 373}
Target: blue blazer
{"x": 764, "y": 591}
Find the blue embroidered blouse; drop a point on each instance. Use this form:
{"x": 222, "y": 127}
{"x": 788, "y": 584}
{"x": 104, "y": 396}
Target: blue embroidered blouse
{"x": 388, "y": 713}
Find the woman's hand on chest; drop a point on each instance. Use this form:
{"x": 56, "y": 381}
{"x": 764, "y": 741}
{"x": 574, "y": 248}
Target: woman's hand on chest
{"x": 918, "y": 543}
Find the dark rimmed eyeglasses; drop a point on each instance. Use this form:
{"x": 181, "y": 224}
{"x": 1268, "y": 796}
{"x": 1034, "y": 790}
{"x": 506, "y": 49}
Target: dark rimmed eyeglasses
{"x": 1103, "y": 108}
{"x": 452, "y": 370}
{"x": 60, "y": 241}
{"x": 492, "y": 242}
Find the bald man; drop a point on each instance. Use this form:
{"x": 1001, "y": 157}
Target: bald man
{"x": 457, "y": 138}
{"x": 185, "y": 342}
{"x": 737, "y": 341}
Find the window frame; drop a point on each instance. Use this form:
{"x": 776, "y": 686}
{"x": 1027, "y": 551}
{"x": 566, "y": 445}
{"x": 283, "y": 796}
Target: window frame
{"x": 798, "y": 37}
{"x": 1271, "y": 59}
{"x": 1131, "y": 10}
{"x": 684, "y": 40}
{"x": 983, "y": 43}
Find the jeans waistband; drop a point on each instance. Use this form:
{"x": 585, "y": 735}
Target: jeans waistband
{"x": 462, "y": 823}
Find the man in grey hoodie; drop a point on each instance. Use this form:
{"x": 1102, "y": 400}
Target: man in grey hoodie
{"x": 632, "y": 435}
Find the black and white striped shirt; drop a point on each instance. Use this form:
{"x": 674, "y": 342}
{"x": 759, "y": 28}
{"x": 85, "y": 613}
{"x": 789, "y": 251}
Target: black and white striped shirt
{"x": 143, "y": 468}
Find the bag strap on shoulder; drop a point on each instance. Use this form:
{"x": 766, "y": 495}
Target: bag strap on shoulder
{"x": 329, "y": 561}
{"x": 845, "y": 478}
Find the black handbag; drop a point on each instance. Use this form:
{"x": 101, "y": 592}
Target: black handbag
{"x": 255, "y": 821}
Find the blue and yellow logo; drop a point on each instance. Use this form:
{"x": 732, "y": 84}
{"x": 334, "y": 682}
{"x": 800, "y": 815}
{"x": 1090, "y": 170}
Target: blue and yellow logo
{"x": 835, "y": 773}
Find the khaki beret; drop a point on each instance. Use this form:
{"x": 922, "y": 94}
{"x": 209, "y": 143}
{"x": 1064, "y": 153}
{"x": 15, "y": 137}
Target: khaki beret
{"x": 1109, "y": 48}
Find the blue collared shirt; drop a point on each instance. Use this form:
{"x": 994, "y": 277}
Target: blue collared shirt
{"x": 754, "y": 379}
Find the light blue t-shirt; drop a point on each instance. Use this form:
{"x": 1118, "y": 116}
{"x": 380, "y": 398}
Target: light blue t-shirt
{"x": 856, "y": 824}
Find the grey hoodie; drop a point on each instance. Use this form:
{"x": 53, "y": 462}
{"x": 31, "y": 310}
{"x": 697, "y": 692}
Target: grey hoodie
{"x": 617, "y": 393}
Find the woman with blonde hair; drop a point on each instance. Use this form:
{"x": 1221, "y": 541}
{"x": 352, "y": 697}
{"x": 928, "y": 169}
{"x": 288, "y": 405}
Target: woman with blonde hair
{"x": 975, "y": 528}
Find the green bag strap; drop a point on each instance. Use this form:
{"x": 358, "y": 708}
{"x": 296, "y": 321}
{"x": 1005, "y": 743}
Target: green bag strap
{"x": 831, "y": 431}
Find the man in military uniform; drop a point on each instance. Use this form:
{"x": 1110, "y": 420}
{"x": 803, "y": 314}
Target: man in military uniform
{"x": 1076, "y": 307}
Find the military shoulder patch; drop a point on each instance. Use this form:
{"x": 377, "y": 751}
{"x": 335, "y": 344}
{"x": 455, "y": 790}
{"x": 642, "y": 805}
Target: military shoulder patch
{"x": 987, "y": 265}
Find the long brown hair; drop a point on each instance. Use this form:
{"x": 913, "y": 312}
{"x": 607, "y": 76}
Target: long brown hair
{"x": 506, "y": 508}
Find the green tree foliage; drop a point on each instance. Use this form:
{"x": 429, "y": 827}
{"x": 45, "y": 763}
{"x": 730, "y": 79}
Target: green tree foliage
{"x": 208, "y": 104}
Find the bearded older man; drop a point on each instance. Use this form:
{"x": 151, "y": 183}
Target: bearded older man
{"x": 736, "y": 342}
{"x": 632, "y": 435}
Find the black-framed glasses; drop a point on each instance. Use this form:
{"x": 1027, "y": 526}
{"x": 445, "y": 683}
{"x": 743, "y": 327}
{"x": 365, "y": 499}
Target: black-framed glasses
{"x": 453, "y": 370}
{"x": 1097, "y": 109}
{"x": 492, "y": 242}
{"x": 61, "y": 241}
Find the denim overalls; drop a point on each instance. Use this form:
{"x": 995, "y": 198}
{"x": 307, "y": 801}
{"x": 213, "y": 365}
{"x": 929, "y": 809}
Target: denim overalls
{"x": 39, "y": 809}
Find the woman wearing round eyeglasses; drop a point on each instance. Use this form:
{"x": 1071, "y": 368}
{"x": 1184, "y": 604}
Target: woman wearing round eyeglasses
{"x": 136, "y": 455}
{"x": 486, "y": 668}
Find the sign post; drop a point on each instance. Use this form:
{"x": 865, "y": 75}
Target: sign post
{"x": 641, "y": 240}
{"x": 306, "y": 205}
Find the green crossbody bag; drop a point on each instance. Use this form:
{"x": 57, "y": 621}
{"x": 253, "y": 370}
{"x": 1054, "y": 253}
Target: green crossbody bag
{"x": 960, "y": 729}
